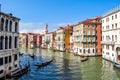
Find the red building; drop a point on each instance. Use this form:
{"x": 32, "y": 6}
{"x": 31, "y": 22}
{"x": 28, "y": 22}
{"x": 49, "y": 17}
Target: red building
{"x": 30, "y": 40}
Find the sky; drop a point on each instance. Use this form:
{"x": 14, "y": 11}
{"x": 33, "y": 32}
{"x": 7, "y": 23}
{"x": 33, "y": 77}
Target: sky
{"x": 35, "y": 14}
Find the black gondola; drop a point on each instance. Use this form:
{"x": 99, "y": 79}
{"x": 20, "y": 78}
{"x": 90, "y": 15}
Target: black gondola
{"x": 20, "y": 72}
{"x": 43, "y": 64}
{"x": 116, "y": 65}
{"x": 84, "y": 59}
{"x": 32, "y": 55}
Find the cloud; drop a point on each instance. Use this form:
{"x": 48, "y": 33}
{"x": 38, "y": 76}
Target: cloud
{"x": 31, "y": 27}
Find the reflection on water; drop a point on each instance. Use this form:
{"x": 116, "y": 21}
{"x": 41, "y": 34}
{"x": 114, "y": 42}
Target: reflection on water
{"x": 66, "y": 66}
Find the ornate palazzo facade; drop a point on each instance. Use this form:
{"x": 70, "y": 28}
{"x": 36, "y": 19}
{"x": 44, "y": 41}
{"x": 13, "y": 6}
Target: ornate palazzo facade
{"x": 9, "y": 34}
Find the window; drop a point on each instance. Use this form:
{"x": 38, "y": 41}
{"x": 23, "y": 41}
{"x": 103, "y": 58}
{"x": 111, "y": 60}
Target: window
{"x": 112, "y": 47}
{"x": 9, "y": 58}
{"x": 2, "y": 24}
{"x": 6, "y": 25}
{"x": 10, "y": 27}
{"x": 103, "y": 28}
{"x": 84, "y": 51}
{"x": 15, "y": 65}
{"x": 1, "y": 61}
{"x": 112, "y": 17}
{"x": 96, "y": 50}
{"x": 88, "y": 50}
{"x": 16, "y": 25}
{"x": 84, "y": 45}
{"x": 112, "y": 37}
{"x": 1, "y": 71}
{"x": 112, "y": 54}
{"x": 116, "y": 25}
{"x": 107, "y": 53}
{"x": 103, "y": 21}
{"x": 6, "y": 60}
{"x": 6, "y": 42}
{"x": 107, "y": 47}
{"x": 115, "y": 37}
{"x": 103, "y": 38}
{"x": 15, "y": 44}
{"x": 103, "y": 46}
{"x": 107, "y": 19}
{"x": 116, "y": 16}
{"x": 10, "y": 42}
{"x": 88, "y": 31}
{"x": 93, "y": 51}
{"x": 15, "y": 57}
{"x": 112, "y": 26}
{"x": 1, "y": 42}
{"x": 88, "y": 44}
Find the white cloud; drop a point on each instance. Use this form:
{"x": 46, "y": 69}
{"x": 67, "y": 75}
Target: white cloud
{"x": 24, "y": 31}
{"x": 40, "y": 27}
{"x": 31, "y": 27}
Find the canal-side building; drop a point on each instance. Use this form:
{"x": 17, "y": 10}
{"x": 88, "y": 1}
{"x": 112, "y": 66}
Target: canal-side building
{"x": 9, "y": 47}
{"x": 49, "y": 39}
{"x": 111, "y": 35}
{"x": 39, "y": 40}
{"x": 87, "y": 37}
{"x": 68, "y": 34}
{"x": 77, "y": 38}
{"x": 32, "y": 40}
{"x": 60, "y": 39}
{"x": 45, "y": 42}
{"x": 54, "y": 42}
{"x": 23, "y": 40}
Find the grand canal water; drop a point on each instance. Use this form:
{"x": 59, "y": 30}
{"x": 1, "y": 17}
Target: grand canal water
{"x": 66, "y": 66}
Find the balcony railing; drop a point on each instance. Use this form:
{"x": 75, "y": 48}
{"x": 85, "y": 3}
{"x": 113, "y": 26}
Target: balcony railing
{"x": 93, "y": 40}
{"x": 108, "y": 42}
{"x": 84, "y": 40}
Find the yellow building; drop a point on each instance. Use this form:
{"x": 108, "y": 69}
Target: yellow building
{"x": 68, "y": 33}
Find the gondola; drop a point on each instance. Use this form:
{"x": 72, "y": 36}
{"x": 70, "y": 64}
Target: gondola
{"x": 84, "y": 59}
{"x": 19, "y": 73}
{"x": 43, "y": 64}
{"x": 32, "y": 55}
{"x": 116, "y": 65}
{"x": 20, "y": 54}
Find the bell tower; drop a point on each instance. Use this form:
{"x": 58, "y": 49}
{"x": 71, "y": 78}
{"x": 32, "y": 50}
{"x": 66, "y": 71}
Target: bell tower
{"x": 46, "y": 29}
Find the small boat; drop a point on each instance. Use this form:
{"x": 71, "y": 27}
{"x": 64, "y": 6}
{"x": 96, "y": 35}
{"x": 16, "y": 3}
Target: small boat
{"x": 20, "y": 72}
{"x": 43, "y": 64}
{"x": 21, "y": 54}
{"x": 84, "y": 59}
{"x": 116, "y": 65}
{"x": 32, "y": 55}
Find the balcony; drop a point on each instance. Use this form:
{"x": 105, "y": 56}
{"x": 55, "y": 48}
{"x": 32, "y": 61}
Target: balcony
{"x": 108, "y": 42}
{"x": 84, "y": 40}
{"x": 89, "y": 40}
{"x": 93, "y": 40}
{"x": 93, "y": 33}
{"x": 77, "y": 40}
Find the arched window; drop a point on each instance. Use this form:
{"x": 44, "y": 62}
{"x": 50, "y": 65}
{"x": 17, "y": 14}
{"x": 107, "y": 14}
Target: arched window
{"x": 10, "y": 28}
{"x": 6, "y": 25}
{"x": 15, "y": 44}
{"x": 1, "y": 42}
{"x": 2, "y": 24}
{"x": 88, "y": 50}
{"x": 10, "y": 42}
{"x": 93, "y": 51}
{"x": 84, "y": 51}
{"x": 16, "y": 26}
{"x": 6, "y": 42}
